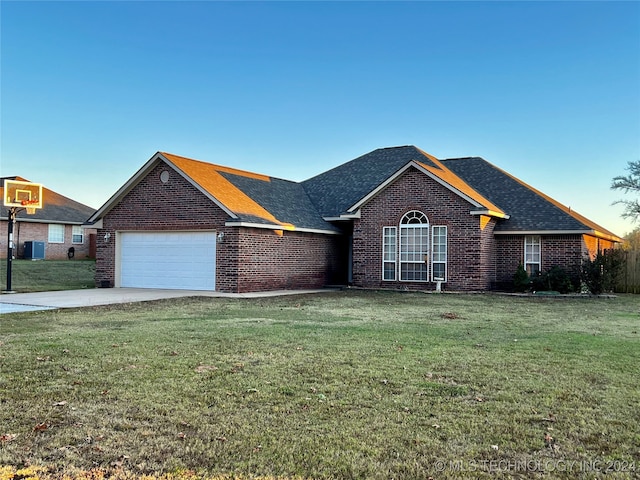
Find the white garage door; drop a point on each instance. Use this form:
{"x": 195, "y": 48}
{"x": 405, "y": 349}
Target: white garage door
{"x": 175, "y": 260}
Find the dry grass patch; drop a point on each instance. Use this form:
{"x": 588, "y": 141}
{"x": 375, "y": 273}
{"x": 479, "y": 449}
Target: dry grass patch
{"x": 346, "y": 385}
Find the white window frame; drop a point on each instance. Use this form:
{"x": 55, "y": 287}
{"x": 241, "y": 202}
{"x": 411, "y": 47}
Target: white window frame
{"x": 532, "y": 254}
{"x": 77, "y": 231}
{"x": 56, "y": 233}
{"x": 414, "y": 247}
{"x": 389, "y": 253}
{"x": 439, "y": 247}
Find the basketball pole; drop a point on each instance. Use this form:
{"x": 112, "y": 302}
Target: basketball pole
{"x": 12, "y": 220}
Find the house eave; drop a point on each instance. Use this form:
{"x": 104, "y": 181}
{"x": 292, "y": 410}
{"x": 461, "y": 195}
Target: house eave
{"x": 273, "y": 226}
{"x": 491, "y": 213}
{"x": 47, "y": 221}
{"x": 593, "y": 233}
{"x": 344, "y": 217}
{"x": 96, "y": 224}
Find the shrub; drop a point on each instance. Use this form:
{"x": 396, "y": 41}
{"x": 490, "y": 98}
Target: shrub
{"x": 555, "y": 279}
{"x": 521, "y": 279}
{"x": 599, "y": 274}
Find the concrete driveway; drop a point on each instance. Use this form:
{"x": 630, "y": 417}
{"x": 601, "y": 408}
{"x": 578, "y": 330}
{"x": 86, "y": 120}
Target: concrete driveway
{"x": 24, "y": 302}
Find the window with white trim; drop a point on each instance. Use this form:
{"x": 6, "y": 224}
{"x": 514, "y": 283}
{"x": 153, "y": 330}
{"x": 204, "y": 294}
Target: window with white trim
{"x": 439, "y": 254}
{"x": 77, "y": 235}
{"x": 389, "y": 252}
{"x": 414, "y": 247}
{"x": 56, "y": 233}
{"x": 532, "y": 254}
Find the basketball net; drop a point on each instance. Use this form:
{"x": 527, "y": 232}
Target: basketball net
{"x": 31, "y": 210}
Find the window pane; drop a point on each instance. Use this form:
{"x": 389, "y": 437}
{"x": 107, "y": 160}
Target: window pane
{"x": 532, "y": 254}
{"x": 389, "y": 253}
{"x": 439, "y": 271}
{"x": 439, "y": 250}
{"x": 77, "y": 235}
{"x": 414, "y": 272}
{"x": 56, "y": 233}
{"x": 389, "y": 272}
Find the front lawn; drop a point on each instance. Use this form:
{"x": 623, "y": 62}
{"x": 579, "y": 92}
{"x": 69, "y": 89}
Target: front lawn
{"x": 48, "y": 275}
{"x": 358, "y": 385}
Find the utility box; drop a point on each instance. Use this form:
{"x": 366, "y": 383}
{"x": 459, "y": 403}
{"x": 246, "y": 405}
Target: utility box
{"x": 34, "y": 250}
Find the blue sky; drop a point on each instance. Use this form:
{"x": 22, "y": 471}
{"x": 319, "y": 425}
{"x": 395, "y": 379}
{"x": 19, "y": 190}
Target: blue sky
{"x": 548, "y": 91}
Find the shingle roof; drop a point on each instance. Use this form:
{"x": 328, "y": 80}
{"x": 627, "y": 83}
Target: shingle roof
{"x": 339, "y": 189}
{"x": 529, "y": 209}
{"x": 56, "y": 208}
{"x": 254, "y": 198}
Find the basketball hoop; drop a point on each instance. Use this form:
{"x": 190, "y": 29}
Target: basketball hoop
{"x": 18, "y": 195}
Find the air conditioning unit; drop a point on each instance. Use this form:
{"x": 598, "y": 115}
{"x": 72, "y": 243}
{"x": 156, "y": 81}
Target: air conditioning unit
{"x": 34, "y": 250}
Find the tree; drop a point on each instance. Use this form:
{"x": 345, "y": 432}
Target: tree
{"x": 633, "y": 240}
{"x": 629, "y": 183}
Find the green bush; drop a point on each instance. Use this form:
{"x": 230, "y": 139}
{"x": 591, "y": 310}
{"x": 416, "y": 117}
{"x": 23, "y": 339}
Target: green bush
{"x": 521, "y": 280}
{"x": 599, "y": 274}
{"x": 556, "y": 279}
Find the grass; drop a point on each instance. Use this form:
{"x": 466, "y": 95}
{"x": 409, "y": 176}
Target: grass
{"x": 344, "y": 385}
{"x": 48, "y": 275}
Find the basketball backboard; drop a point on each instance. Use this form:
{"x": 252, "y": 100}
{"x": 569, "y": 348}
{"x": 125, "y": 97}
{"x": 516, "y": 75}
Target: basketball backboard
{"x": 22, "y": 194}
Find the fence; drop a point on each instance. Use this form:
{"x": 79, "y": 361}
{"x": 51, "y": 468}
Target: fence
{"x": 629, "y": 278}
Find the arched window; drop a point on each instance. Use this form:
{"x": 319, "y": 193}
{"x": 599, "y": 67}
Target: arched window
{"x": 414, "y": 247}
{"x": 420, "y": 251}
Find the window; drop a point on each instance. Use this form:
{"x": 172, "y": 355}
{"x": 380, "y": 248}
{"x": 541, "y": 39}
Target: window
{"x": 415, "y": 254}
{"x": 532, "y": 254}
{"x": 414, "y": 247}
{"x": 439, "y": 255}
{"x": 77, "y": 235}
{"x": 389, "y": 252}
{"x": 56, "y": 233}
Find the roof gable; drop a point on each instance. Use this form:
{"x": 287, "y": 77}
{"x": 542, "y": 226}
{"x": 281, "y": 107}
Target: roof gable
{"x": 248, "y": 198}
{"x": 348, "y": 186}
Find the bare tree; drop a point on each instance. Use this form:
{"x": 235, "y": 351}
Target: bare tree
{"x": 629, "y": 183}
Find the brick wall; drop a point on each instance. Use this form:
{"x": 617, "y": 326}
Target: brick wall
{"x": 155, "y": 206}
{"x": 247, "y": 259}
{"x": 293, "y": 260}
{"x": 566, "y": 251}
{"x": 470, "y": 247}
{"x": 31, "y": 231}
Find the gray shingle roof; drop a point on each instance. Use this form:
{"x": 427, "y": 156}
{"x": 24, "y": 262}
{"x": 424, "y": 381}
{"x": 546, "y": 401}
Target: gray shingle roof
{"x": 286, "y": 200}
{"x": 529, "y": 210}
{"x": 334, "y": 191}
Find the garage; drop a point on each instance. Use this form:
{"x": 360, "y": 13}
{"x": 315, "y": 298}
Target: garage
{"x": 171, "y": 260}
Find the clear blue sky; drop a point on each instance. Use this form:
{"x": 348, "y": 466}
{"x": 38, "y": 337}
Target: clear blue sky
{"x": 548, "y": 91}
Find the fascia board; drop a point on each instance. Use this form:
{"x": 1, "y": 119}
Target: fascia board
{"x": 593, "y": 233}
{"x": 343, "y": 217}
{"x": 490, "y": 213}
{"x": 96, "y": 224}
{"x": 287, "y": 228}
{"x": 393, "y": 177}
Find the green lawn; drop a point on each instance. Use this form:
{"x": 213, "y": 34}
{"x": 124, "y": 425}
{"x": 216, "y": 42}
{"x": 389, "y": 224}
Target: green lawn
{"x": 355, "y": 384}
{"x": 48, "y": 275}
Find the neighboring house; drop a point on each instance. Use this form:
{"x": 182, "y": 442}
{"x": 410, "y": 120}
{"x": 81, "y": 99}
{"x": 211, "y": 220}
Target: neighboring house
{"x": 58, "y": 226}
{"x": 393, "y": 218}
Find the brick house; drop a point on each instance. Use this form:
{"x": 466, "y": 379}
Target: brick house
{"x": 393, "y": 218}
{"x": 58, "y": 225}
